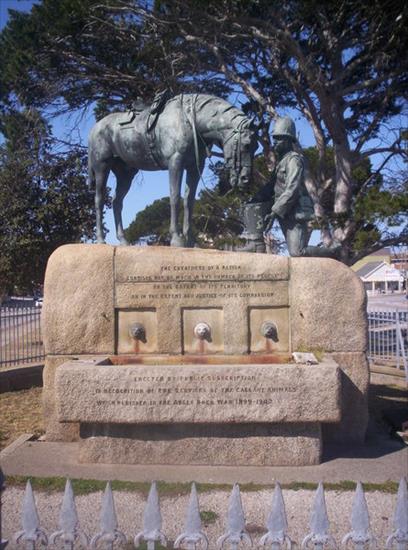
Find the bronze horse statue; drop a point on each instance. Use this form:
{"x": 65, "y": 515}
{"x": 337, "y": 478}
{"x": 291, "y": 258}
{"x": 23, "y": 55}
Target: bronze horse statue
{"x": 177, "y": 138}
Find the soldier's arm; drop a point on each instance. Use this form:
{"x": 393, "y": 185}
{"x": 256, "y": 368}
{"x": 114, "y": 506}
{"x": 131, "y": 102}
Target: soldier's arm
{"x": 294, "y": 178}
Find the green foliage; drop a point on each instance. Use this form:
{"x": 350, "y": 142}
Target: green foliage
{"x": 217, "y": 220}
{"x": 151, "y": 224}
{"x": 377, "y": 203}
{"x": 44, "y": 201}
{"x": 380, "y": 205}
{"x": 72, "y": 53}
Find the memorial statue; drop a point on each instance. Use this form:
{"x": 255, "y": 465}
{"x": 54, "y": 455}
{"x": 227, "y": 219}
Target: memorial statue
{"x": 284, "y": 198}
{"x": 172, "y": 134}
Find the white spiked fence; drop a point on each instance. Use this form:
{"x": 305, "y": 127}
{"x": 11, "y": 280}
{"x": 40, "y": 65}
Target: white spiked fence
{"x": 277, "y": 537}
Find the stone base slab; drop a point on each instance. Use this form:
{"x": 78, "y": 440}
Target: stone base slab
{"x": 215, "y": 444}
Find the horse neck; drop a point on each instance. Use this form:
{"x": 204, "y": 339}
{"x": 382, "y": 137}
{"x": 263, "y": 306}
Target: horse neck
{"x": 211, "y": 125}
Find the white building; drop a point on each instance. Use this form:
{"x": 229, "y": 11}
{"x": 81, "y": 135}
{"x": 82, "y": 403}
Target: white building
{"x": 381, "y": 278}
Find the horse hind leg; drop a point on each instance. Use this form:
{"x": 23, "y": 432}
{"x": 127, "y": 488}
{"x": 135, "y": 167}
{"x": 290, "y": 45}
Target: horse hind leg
{"x": 175, "y": 177}
{"x": 101, "y": 173}
{"x": 124, "y": 176}
{"x": 192, "y": 178}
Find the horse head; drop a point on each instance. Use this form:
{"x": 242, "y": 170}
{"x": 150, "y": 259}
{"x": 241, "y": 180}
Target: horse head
{"x": 239, "y": 151}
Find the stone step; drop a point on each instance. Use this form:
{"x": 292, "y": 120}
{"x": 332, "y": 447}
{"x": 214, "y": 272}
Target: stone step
{"x": 392, "y": 371}
{"x": 382, "y": 375}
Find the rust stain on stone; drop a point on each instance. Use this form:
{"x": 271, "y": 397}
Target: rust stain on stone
{"x": 253, "y": 359}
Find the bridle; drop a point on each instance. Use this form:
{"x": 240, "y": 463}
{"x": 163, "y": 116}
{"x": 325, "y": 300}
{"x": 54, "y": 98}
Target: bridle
{"x": 235, "y": 162}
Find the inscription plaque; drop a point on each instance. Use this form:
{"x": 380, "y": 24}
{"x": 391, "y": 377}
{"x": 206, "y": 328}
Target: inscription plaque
{"x": 198, "y": 393}
{"x": 175, "y": 285}
{"x": 176, "y": 280}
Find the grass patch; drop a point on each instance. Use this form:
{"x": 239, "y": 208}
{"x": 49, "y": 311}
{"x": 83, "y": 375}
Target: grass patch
{"x": 208, "y": 517}
{"x": 20, "y": 412}
{"x": 86, "y": 486}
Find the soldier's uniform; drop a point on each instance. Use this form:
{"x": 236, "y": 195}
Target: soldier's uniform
{"x": 287, "y": 199}
{"x": 292, "y": 203}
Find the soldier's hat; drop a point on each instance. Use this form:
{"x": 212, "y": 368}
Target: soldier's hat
{"x": 285, "y": 127}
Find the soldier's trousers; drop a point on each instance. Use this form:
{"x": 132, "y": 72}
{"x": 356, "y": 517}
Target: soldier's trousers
{"x": 297, "y": 235}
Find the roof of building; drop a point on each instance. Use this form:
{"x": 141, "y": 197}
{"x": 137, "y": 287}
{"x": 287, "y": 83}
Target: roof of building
{"x": 381, "y": 252}
{"x": 368, "y": 268}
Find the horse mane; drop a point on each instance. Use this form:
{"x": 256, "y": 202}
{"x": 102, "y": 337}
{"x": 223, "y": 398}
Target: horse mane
{"x": 221, "y": 104}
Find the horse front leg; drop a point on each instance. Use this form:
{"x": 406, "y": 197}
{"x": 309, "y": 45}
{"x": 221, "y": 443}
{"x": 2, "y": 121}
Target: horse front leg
{"x": 175, "y": 176}
{"x": 192, "y": 179}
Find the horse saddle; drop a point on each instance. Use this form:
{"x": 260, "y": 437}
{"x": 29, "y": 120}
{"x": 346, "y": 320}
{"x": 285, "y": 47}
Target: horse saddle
{"x": 152, "y": 112}
{"x": 127, "y": 118}
{"x": 138, "y": 107}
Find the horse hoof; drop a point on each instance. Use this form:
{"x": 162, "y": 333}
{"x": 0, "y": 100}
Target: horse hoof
{"x": 177, "y": 240}
{"x": 190, "y": 243}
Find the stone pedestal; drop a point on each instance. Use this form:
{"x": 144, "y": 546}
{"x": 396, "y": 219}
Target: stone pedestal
{"x": 203, "y": 444}
{"x": 199, "y": 414}
{"x": 162, "y": 322}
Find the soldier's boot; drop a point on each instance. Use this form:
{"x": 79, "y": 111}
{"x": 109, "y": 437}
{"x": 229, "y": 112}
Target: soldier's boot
{"x": 331, "y": 251}
{"x": 253, "y": 215}
{"x": 253, "y": 245}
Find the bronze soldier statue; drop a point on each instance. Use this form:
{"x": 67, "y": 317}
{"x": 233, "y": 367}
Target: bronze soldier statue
{"x": 287, "y": 199}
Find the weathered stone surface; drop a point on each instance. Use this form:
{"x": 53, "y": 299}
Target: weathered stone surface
{"x": 354, "y": 399}
{"x": 78, "y": 312}
{"x": 192, "y": 263}
{"x": 137, "y": 394}
{"x": 55, "y": 430}
{"x": 232, "y": 445}
{"x": 95, "y": 293}
{"x": 328, "y": 306}
{"x": 169, "y": 280}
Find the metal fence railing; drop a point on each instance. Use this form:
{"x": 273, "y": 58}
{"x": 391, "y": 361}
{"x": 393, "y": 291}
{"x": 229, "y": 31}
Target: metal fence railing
{"x": 388, "y": 336}
{"x": 276, "y": 534}
{"x": 20, "y": 335}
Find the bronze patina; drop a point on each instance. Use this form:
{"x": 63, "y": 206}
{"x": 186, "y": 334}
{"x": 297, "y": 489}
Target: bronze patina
{"x": 172, "y": 134}
{"x": 292, "y": 206}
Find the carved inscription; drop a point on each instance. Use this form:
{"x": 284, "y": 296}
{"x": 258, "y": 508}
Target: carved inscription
{"x": 216, "y": 272}
{"x": 198, "y": 394}
{"x": 199, "y": 390}
{"x": 199, "y": 283}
